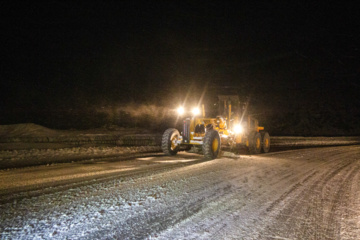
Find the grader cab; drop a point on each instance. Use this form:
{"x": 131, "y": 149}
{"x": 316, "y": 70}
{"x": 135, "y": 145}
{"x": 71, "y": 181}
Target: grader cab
{"x": 229, "y": 130}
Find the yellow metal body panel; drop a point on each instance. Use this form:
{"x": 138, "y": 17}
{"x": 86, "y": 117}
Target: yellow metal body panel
{"x": 220, "y": 125}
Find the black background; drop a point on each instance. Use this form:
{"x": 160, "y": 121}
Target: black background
{"x": 82, "y": 64}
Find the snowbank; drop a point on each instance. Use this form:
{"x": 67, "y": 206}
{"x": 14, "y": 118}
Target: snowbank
{"x": 26, "y": 130}
{"x": 30, "y": 144}
{"x": 25, "y": 136}
{"x": 313, "y": 141}
{"x": 33, "y": 157}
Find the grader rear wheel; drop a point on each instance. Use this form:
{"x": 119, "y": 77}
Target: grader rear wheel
{"x": 265, "y": 142}
{"x": 254, "y": 143}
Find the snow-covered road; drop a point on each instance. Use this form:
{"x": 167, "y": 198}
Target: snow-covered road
{"x": 297, "y": 194}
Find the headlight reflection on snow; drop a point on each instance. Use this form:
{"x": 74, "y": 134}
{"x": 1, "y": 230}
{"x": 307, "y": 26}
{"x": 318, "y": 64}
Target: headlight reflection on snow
{"x": 159, "y": 160}
{"x": 176, "y": 160}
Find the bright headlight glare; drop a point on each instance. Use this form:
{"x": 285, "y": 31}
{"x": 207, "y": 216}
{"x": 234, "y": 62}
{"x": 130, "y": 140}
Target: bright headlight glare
{"x": 238, "y": 128}
{"x": 180, "y": 110}
{"x": 195, "y": 111}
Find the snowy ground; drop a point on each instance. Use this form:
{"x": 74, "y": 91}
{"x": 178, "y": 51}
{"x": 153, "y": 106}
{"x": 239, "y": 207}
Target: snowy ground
{"x": 308, "y": 193}
{"x": 297, "y": 194}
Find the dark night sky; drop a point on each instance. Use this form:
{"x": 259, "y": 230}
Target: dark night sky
{"x": 64, "y": 54}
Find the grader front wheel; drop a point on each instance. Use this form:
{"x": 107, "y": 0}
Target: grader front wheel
{"x": 169, "y": 142}
{"x": 212, "y": 144}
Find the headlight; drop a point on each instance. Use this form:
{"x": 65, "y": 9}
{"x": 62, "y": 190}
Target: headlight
{"x": 238, "y": 129}
{"x": 180, "y": 110}
{"x": 195, "y": 111}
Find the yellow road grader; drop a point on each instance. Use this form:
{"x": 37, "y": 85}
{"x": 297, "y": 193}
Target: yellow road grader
{"x": 231, "y": 130}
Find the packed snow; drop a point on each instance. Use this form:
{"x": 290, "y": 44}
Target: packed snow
{"x": 102, "y": 191}
{"x": 298, "y": 194}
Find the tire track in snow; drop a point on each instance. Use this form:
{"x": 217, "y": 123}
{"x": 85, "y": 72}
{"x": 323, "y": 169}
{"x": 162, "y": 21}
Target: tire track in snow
{"x": 314, "y": 203}
{"x": 342, "y": 199}
{"x": 62, "y": 184}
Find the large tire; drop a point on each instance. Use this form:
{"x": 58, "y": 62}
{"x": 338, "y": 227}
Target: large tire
{"x": 169, "y": 143}
{"x": 212, "y": 144}
{"x": 265, "y": 142}
{"x": 254, "y": 143}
